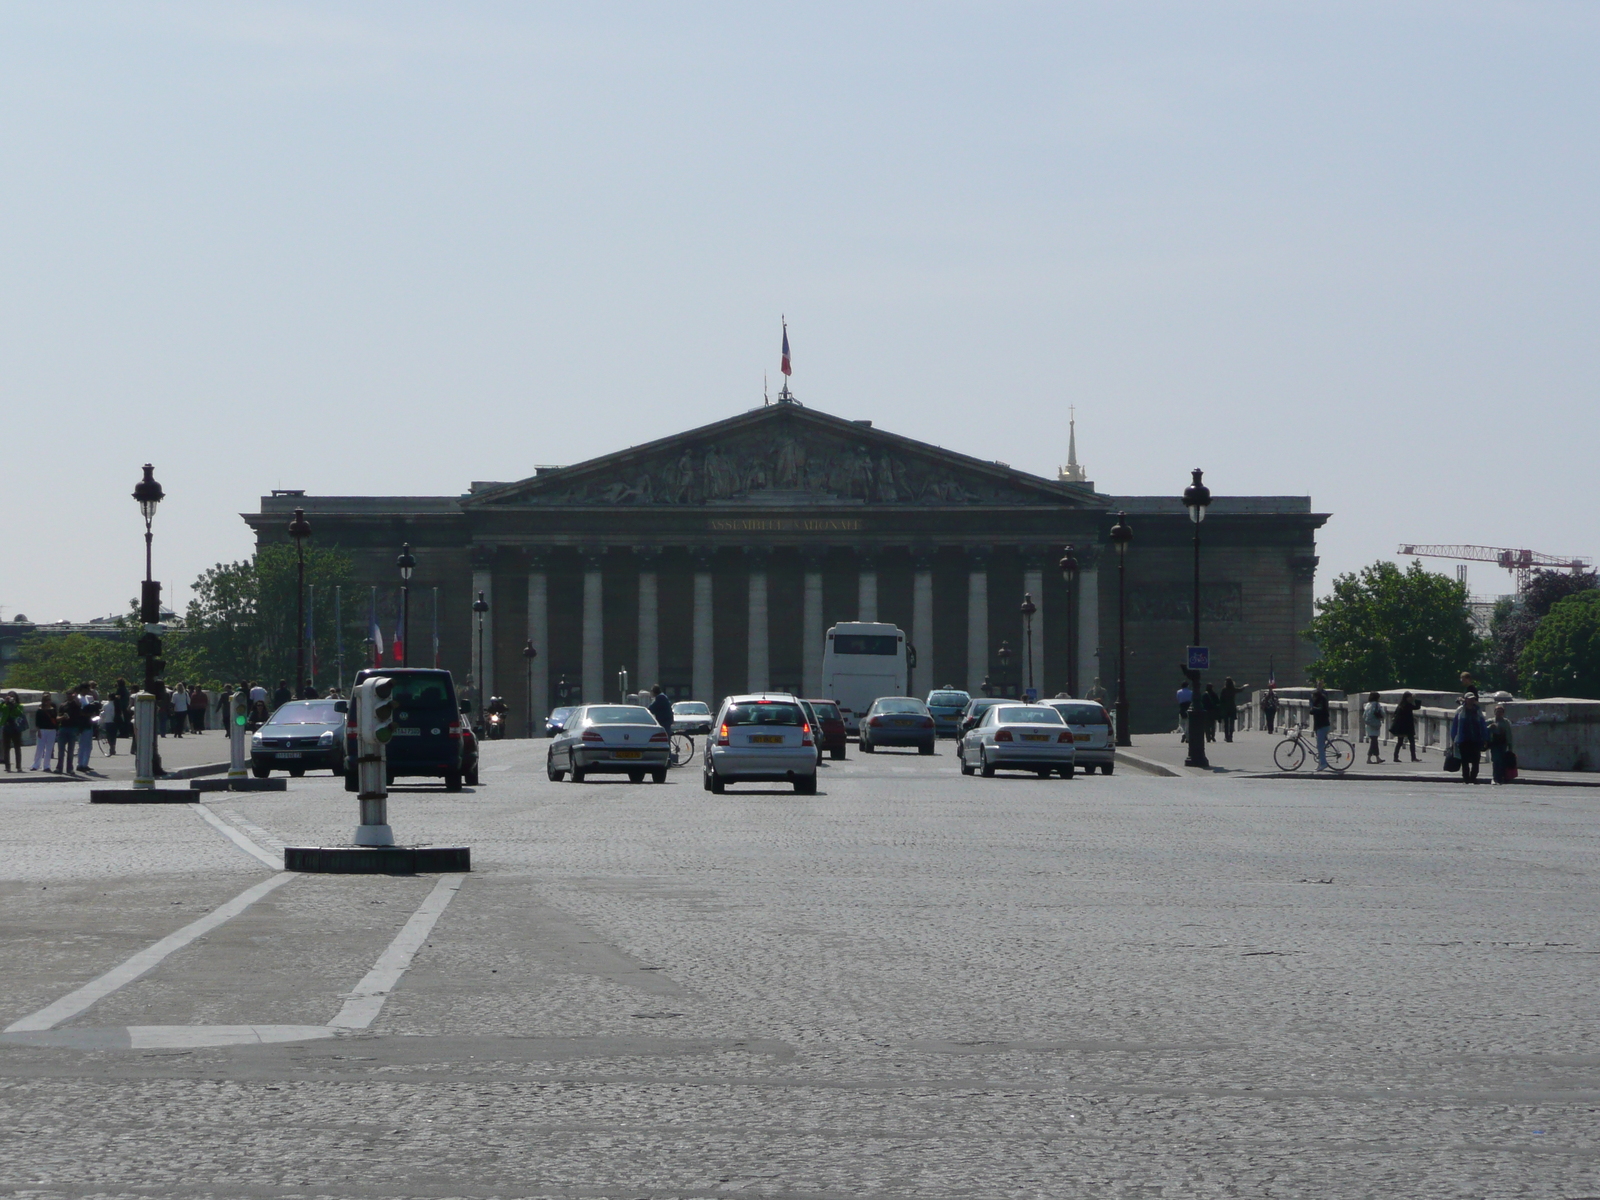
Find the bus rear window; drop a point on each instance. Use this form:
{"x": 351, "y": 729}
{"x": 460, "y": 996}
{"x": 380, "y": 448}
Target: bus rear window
{"x": 866, "y": 643}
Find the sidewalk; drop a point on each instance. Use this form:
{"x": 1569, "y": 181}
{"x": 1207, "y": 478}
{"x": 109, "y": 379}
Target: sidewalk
{"x": 1251, "y": 754}
{"x": 187, "y": 753}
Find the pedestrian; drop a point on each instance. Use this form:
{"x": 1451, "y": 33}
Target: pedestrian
{"x": 1269, "y": 706}
{"x": 1230, "y": 706}
{"x": 89, "y": 699}
{"x": 1469, "y": 734}
{"x": 257, "y": 692}
{"x": 67, "y": 730}
{"x": 1404, "y": 725}
{"x": 1500, "y": 753}
{"x": 44, "y": 724}
{"x": 1320, "y": 720}
{"x": 1211, "y": 703}
{"x": 13, "y": 720}
{"x": 107, "y": 720}
{"x": 1096, "y": 692}
{"x": 1185, "y": 699}
{"x": 180, "y": 708}
{"x": 1372, "y": 720}
{"x": 282, "y": 696}
{"x": 661, "y": 707}
{"x": 199, "y": 702}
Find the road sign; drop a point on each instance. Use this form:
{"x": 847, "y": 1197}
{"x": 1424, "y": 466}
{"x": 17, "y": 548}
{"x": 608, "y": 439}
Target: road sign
{"x": 1199, "y": 658}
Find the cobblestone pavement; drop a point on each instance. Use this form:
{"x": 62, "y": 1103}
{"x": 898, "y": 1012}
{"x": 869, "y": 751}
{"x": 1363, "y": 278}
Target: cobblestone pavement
{"x": 911, "y": 984}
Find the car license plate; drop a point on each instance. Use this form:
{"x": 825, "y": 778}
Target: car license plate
{"x": 906, "y": 722}
{"x": 409, "y": 731}
{"x": 627, "y": 754}
{"x": 1083, "y": 737}
{"x": 767, "y": 739}
{"x": 288, "y": 754}
{"x": 1036, "y": 737}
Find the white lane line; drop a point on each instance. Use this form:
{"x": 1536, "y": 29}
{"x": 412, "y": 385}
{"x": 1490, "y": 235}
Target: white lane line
{"x": 238, "y": 838}
{"x": 186, "y": 1037}
{"x": 367, "y": 997}
{"x": 76, "y": 1002}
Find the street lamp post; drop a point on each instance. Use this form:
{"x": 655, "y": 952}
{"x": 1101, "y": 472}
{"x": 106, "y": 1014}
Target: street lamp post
{"x": 1121, "y": 535}
{"x": 407, "y": 564}
{"x": 1028, "y": 609}
{"x": 480, "y": 606}
{"x": 1069, "y": 572}
{"x": 1004, "y": 655}
{"x": 1195, "y": 498}
{"x": 300, "y": 530}
{"x": 528, "y": 655}
{"x": 147, "y": 763}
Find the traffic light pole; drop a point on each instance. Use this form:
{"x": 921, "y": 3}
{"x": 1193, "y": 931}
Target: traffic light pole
{"x": 238, "y": 715}
{"x": 373, "y": 797}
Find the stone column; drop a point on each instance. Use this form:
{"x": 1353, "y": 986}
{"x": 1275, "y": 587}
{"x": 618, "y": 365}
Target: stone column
{"x": 811, "y": 627}
{"x": 703, "y": 679}
{"x": 977, "y": 622}
{"x": 1033, "y": 584}
{"x": 1089, "y": 620}
{"x": 866, "y": 587}
{"x": 649, "y": 621}
{"x": 923, "y": 679}
{"x": 539, "y": 635}
{"x": 757, "y": 655}
{"x": 482, "y": 670}
{"x": 594, "y": 645}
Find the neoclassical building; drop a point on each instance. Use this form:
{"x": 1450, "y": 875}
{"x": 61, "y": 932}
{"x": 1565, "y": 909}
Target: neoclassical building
{"x": 714, "y": 561}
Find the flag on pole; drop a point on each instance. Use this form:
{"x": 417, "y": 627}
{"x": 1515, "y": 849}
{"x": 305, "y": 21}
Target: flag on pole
{"x": 398, "y": 647}
{"x": 338, "y": 636}
{"x": 435, "y": 629}
{"x": 311, "y": 629}
{"x": 374, "y": 634}
{"x": 785, "y": 365}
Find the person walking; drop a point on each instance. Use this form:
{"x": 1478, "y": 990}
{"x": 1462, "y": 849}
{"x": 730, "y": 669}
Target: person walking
{"x": 1211, "y": 703}
{"x": 107, "y": 721}
{"x": 1185, "y": 699}
{"x": 1372, "y": 720}
{"x": 1230, "y": 706}
{"x": 282, "y": 696}
{"x": 661, "y": 707}
{"x": 180, "y": 709}
{"x": 1269, "y": 706}
{"x": 1500, "y": 753}
{"x": 44, "y": 724}
{"x": 1469, "y": 734}
{"x": 13, "y": 720}
{"x": 1403, "y": 727}
{"x": 199, "y": 702}
{"x": 1320, "y": 720}
{"x": 67, "y": 730}
{"x": 89, "y": 699}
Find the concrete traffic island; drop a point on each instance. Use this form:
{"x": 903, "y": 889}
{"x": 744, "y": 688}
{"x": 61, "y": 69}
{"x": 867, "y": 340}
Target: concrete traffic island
{"x": 377, "y": 860}
{"x": 240, "y": 785}
{"x": 151, "y": 795}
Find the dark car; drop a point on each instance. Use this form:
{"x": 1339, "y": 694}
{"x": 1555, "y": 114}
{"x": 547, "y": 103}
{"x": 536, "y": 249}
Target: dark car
{"x": 429, "y": 738}
{"x": 976, "y": 707}
{"x": 897, "y": 721}
{"x": 303, "y": 735}
{"x": 557, "y": 720}
{"x": 831, "y": 731}
{"x": 947, "y": 706}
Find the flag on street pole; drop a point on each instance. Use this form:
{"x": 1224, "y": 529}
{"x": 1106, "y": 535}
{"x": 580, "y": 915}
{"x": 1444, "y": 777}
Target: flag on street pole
{"x": 311, "y": 629}
{"x": 397, "y": 649}
{"x": 338, "y": 637}
{"x": 785, "y": 365}
{"x": 374, "y": 634}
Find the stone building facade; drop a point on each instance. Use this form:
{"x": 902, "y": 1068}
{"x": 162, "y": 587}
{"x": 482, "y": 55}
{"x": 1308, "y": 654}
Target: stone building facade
{"x": 714, "y": 561}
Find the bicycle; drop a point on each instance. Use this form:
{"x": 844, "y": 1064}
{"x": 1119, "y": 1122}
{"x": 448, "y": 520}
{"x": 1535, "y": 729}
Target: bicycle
{"x": 1290, "y": 754}
{"x": 682, "y": 753}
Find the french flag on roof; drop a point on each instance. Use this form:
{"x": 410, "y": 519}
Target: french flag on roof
{"x": 785, "y": 365}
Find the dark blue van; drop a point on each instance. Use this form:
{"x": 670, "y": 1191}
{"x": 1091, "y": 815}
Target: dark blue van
{"x": 427, "y": 729}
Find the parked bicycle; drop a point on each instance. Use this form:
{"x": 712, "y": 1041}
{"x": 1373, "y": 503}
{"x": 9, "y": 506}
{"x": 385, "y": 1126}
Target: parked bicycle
{"x": 682, "y": 750}
{"x": 1291, "y": 753}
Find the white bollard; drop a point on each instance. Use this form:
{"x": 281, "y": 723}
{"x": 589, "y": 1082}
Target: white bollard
{"x": 144, "y": 761}
{"x": 238, "y": 714}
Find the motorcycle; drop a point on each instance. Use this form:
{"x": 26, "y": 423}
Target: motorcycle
{"x": 497, "y": 725}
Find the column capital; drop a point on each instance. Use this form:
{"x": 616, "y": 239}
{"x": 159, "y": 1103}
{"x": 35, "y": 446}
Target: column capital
{"x": 536, "y": 558}
{"x": 483, "y": 556}
{"x": 977, "y": 556}
{"x": 867, "y": 557}
{"x": 702, "y": 556}
{"x": 756, "y": 556}
{"x": 647, "y": 556}
{"x": 813, "y": 559}
{"x": 593, "y": 557}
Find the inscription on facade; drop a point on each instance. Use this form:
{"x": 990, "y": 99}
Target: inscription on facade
{"x": 1166, "y": 601}
{"x": 778, "y": 524}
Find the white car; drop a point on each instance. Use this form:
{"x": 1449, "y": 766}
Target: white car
{"x": 761, "y": 738}
{"x": 691, "y": 716}
{"x": 1091, "y": 733}
{"x": 609, "y": 739}
{"x": 1019, "y": 737}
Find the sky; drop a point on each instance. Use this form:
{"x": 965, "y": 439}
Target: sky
{"x": 1345, "y": 250}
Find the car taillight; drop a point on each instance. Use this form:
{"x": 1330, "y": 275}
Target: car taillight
{"x": 875, "y": 721}
{"x": 722, "y": 736}
{"x": 927, "y": 722}
{"x": 805, "y": 735}
{"x": 1003, "y": 735}
{"x": 1065, "y": 737}
{"x": 663, "y": 736}
{"x": 590, "y": 735}
{"x": 455, "y": 729}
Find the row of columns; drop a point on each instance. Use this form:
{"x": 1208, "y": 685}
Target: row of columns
{"x": 924, "y": 677}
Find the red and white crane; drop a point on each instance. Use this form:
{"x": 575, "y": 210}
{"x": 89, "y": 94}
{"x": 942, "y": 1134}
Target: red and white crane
{"x": 1520, "y": 562}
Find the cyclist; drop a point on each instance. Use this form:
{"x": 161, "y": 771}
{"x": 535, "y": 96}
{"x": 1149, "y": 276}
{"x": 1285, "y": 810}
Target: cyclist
{"x": 1320, "y": 720}
{"x": 660, "y": 707}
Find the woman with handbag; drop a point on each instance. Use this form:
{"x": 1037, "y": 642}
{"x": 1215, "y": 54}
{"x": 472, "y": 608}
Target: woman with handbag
{"x": 1403, "y": 728}
{"x": 1501, "y": 758}
{"x": 1372, "y": 722}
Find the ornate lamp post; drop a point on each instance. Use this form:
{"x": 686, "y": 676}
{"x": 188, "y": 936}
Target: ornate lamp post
{"x": 147, "y": 764}
{"x": 528, "y": 655}
{"x": 1028, "y": 609}
{"x": 1195, "y": 498}
{"x": 300, "y": 530}
{"x": 1004, "y": 655}
{"x": 407, "y": 564}
{"x": 1069, "y": 572}
{"x": 1121, "y": 535}
{"x": 480, "y": 606}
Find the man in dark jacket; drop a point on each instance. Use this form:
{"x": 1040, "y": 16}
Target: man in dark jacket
{"x": 1211, "y": 704}
{"x": 660, "y": 707}
{"x": 1470, "y": 734}
{"x": 1320, "y": 721}
{"x": 1230, "y": 706}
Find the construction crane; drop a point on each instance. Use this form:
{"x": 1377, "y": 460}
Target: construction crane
{"x": 1520, "y": 562}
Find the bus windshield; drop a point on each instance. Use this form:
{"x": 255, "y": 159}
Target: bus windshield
{"x": 866, "y": 643}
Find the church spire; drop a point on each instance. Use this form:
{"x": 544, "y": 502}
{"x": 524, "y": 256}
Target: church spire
{"x": 1072, "y": 472}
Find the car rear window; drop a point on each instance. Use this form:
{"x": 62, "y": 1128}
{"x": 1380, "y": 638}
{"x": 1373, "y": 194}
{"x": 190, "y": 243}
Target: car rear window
{"x": 425, "y": 693}
{"x": 898, "y": 705}
{"x": 826, "y": 712}
{"x": 1029, "y": 716}
{"x": 691, "y": 708}
{"x": 1082, "y": 714}
{"x": 619, "y": 714}
{"x": 764, "y": 714}
{"x": 948, "y": 700}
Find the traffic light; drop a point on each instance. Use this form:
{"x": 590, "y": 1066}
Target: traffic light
{"x": 374, "y": 712}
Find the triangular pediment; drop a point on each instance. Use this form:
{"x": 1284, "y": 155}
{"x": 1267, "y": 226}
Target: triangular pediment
{"x": 786, "y": 456}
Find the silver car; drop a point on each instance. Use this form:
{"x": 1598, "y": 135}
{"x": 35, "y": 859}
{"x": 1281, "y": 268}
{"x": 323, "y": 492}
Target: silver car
{"x": 761, "y": 738}
{"x": 1091, "y": 733}
{"x": 609, "y": 739}
{"x": 1019, "y": 737}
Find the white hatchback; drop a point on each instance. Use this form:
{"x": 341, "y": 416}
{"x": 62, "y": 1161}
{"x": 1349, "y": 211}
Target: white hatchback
{"x": 761, "y": 738}
{"x": 1091, "y": 733}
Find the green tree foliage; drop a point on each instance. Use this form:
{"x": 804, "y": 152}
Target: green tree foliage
{"x": 1385, "y": 627}
{"x": 241, "y": 620}
{"x": 1514, "y": 622}
{"x": 54, "y": 663}
{"x": 1562, "y": 657}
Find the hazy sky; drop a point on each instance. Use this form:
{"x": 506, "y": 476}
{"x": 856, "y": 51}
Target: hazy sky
{"x": 1340, "y": 249}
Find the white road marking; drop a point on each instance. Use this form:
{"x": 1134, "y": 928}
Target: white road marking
{"x": 184, "y": 1037}
{"x": 76, "y": 1002}
{"x": 367, "y": 997}
{"x": 275, "y": 861}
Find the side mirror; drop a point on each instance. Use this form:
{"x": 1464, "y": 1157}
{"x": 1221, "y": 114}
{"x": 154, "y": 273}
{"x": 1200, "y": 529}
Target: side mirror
{"x": 466, "y": 706}
{"x": 341, "y": 706}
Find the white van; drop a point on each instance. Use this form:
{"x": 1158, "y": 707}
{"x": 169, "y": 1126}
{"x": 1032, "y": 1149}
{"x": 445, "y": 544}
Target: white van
{"x": 861, "y": 661}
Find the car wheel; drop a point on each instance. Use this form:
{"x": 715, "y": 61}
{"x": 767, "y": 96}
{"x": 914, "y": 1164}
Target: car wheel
{"x": 1105, "y": 768}
{"x": 452, "y": 781}
{"x": 837, "y": 752}
{"x": 866, "y": 746}
{"x": 635, "y": 776}
{"x": 714, "y": 784}
{"x": 925, "y": 748}
{"x": 1043, "y": 772}
{"x": 1068, "y": 772}
{"x": 260, "y": 772}
{"x": 577, "y": 774}
{"x": 967, "y": 768}
{"x": 297, "y": 772}
{"x": 985, "y": 768}
{"x": 805, "y": 785}
{"x": 659, "y": 776}
{"x": 352, "y": 781}
{"x": 550, "y": 771}
{"x": 471, "y": 775}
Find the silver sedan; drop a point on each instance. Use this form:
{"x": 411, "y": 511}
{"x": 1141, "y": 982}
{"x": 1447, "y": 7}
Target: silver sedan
{"x": 614, "y": 739}
{"x": 1018, "y": 737}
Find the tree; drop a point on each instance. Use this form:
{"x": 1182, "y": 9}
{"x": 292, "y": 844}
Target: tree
{"x": 1514, "y": 622}
{"x": 1385, "y": 627}
{"x": 52, "y": 663}
{"x": 1562, "y": 657}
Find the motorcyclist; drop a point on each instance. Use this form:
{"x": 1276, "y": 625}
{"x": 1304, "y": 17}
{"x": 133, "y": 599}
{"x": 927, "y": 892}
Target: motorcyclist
{"x": 497, "y": 708}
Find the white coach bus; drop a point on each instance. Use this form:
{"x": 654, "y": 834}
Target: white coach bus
{"x": 861, "y": 661}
